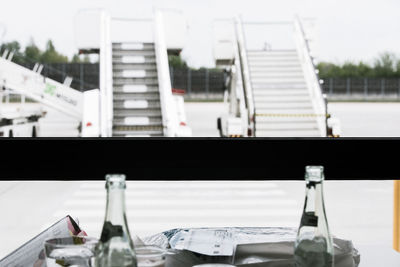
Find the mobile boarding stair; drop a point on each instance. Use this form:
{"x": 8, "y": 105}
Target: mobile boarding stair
{"x": 134, "y": 74}
{"x": 278, "y": 91}
{"x": 15, "y": 79}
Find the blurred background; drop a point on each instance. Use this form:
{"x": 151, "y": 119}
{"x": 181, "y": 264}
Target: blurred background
{"x": 213, "y": 68}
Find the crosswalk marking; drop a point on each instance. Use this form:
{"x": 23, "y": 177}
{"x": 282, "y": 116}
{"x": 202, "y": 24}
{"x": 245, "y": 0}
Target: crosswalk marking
{"x": 156, "y": 206}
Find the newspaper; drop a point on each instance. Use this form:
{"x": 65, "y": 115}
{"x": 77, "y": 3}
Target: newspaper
{"x": 241, "y": 246}
{"x": 32, "y": 252}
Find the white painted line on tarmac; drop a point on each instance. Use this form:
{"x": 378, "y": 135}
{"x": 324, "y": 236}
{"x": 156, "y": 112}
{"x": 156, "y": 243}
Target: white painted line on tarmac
{"x": 178, "y": 204}
{"x": 186, "y": 185}
{"x": 189, "y": 193}
{"x": 191, "y": 214}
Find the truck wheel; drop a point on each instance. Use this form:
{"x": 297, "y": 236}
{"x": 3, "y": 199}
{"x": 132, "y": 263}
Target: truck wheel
{"x": 34, "y": 134}
{"x": 219, "y": 126}
{"x": 10, "y": 133}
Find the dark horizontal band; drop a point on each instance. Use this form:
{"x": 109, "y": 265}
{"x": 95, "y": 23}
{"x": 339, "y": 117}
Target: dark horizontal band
{"x": 198, "y": 158}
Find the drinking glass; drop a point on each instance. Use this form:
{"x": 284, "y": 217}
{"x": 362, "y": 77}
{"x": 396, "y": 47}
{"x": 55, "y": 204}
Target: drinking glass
{"x": 70, "y": 251}
{"x": 150, "y": 256}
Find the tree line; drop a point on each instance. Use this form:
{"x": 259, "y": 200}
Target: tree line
{"x": 386, "y": 65}
{"x": 33, "y": 54}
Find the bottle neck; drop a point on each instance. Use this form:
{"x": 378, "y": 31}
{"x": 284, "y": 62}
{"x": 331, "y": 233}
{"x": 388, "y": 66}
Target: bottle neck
{"x": 314, "y": 198}
{"x": 115, "y": 209}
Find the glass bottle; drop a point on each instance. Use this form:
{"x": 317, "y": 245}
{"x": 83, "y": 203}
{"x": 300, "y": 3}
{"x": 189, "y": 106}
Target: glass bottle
{"x": 314, "y": 245}
{"x": 115, "y": 248}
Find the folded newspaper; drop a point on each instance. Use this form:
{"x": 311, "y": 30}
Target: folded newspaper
{"x": 247, "y": 247}
{"x": 32, "y": 252}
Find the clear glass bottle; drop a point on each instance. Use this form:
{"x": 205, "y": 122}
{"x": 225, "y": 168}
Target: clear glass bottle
{"x": 314, "y": 245}
{"x": 116, "y": 248}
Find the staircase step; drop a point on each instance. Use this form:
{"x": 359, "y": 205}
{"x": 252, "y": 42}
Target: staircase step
{"x": 138, "y": 128}
{"x": 276, "y": 75}
{"x": 280, "y": 86}
{"x": 280, "y": 92}
{"x": 283, "y": 59}
{"x": 288, "y": 133}
{"x": 285, "y": 125}
{"x": 282, "y": 106}
{"x": 134, "y": 134}
{"x": 134, "y": 60}
{"x": 134, "y": 66}
{"x": 139, "y": 88}
{"x": 260, "y": 99}
{"x": 296, "y": 70}
{"x": 136, "y": 104}
{"x": 272, "y": 52}
{"x": 118, "y": 113}
{"x": 133, "y": 46}
{"x": 286, "y": 112}
{"x": 152, "y": 96}
{"x": 138, "y": 131}
{"x": 135, "y": 81}
{"x": 273, "y": 119}
{"x": 277, "y": 80}
{"x": 142, "y": 53}
{"x": 137, "y": 134}
{"x": 137, "y": 121}
{"x": 134, "y": 74}
{"x": 277, "y": 64}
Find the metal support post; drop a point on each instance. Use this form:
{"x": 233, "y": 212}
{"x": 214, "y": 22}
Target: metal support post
{"x": 207, "y": 83}
{"x": 81, "y": 76}
{"x": 189, "y": 82}
{"x": 348, "y": 86}
{"x": 171, "y": 74}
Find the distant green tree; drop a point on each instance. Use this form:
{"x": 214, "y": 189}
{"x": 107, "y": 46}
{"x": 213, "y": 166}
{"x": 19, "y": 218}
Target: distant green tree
{"x": 32, "y": 52}
{"x": 176, "y": 61}
{"x": 15, "y": 48}
{"x": 385, "y": 65}
{"x": 50, "y": 55}
{"x": 327, "y": 70}
{"x": 349, "y": 69}
{"x": 75, "y": 59}
{"x": 398, "y": 68}
{"x": 365, "y": 70}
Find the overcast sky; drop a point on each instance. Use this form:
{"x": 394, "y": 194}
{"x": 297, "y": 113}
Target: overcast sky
{"x": 347, "y": 29}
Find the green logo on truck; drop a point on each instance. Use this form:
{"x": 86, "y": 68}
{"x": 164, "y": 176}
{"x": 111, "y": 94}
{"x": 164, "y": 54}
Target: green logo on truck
{"x": 50, "y": 89}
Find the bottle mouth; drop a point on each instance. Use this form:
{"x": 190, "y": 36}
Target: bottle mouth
{"x": 115, "y": 181}
{"x": 314, "y": 173}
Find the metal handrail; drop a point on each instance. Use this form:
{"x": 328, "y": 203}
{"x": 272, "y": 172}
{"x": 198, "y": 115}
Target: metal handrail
{"x": 311, "y": 74}
{"x": 169, "y": 112}
{"x": 245, "y": 75}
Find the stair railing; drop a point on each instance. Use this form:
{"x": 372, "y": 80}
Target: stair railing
{"x": 311, "y": 76}
{"x": 106, "y": 76}
{"x": 168, "y": 108}
{"x": 245, "y": 75}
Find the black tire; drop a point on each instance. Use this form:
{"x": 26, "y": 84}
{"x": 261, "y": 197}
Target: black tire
{"x": 11, "y": 133}
{"x": 219, "y": 126}
{"x": 34, "y": 133}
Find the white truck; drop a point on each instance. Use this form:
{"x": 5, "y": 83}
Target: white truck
{"x": 17, "y": 119}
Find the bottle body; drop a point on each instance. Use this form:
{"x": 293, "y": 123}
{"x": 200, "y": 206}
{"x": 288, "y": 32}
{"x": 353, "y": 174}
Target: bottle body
{"x": 314, "y": 246}
{"x": 115, "y": 247}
